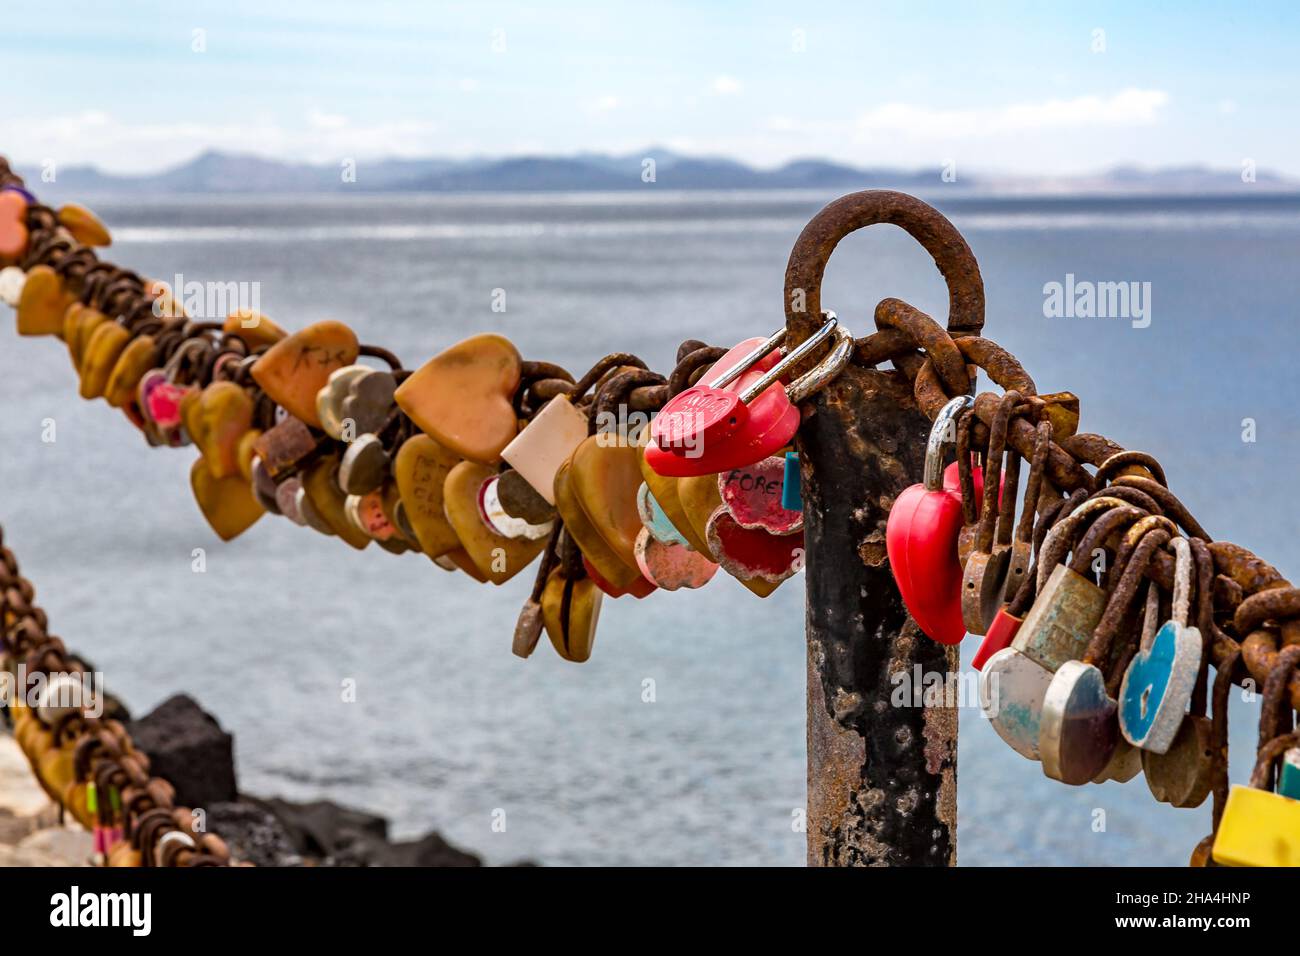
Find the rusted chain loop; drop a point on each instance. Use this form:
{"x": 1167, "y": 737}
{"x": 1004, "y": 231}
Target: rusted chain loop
{"x": 1125, "y": 591}
{"x": 1062, "y": 470}
{"x": 1276, "y": 604}
{"x": 599, "y": 370}
{"x": 1273, "y": 709}
{"x": 883, "y": 345}
{"x": 1261, "y": 778}
{"x": 1002, "y": 368}
{"x": 695, "y": 361}
{"x": 617, "y": 390}
{"x": 1169, "y": 502}
{"x": 1117, "y": 462}
{"x": 930, "y": 335}
{"x": 1133, "y": 496}
{"x": 1223, "y": 679}
{"x": 385, "y": 356}
{"x": 812, "y": 250}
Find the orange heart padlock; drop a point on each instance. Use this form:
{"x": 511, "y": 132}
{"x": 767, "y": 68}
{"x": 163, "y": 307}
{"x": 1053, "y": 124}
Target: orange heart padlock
{"x": 227, "y": 503}
{"x": 295, "y": 368}
{"x": 570, "y": 612}
{"x": 700, "y": 500}
{"x": 253, "y": 327}
{"x": 463, "y": 397}
{"x": 609, "y": 566}
{"x": 420, "y": 470}
{"x": 139, "y": 356}
{"x": 13, "y": 226}
{"x": 222, "y": 416}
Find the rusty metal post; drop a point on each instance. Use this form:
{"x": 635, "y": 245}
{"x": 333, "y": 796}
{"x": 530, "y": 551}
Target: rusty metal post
{"x": 882, "y": 778}
{"x": 882, "y": 769}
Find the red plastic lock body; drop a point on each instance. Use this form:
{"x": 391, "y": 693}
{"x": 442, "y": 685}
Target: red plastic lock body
{"x": 999, "y": 635}
{"x": 921, "y": 540}
{"x": 704, "y": 430}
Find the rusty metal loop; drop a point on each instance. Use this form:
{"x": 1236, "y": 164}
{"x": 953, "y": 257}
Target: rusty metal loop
{"x": 812, "y": 250}
{"x": 931, "y": 336}
{"x": 1116, "y": 463}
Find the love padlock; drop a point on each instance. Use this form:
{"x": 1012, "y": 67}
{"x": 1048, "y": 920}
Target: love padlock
{"x": 1079, "y": 730}
{"x": 1158, "y": 684}
{"x": 921, "y": 536}
{"x": 743, "y": 414}
{"x": 1260, "y": 827}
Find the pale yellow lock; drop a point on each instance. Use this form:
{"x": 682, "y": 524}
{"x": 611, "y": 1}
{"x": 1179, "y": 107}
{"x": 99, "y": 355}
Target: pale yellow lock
{"x": 546, "y": 443}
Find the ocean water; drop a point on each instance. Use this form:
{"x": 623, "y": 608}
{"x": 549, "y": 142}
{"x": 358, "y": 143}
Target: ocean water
{"x": 449, "y": 731}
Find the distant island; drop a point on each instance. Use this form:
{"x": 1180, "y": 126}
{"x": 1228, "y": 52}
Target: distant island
{"x": 220, "y": 172}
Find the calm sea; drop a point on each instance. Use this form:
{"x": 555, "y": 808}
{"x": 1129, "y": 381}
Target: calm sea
{"x": 449, "y": 731}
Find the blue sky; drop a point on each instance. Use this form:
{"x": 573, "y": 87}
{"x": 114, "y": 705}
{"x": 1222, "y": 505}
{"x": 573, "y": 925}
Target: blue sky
{"x": 1016, "y": 87}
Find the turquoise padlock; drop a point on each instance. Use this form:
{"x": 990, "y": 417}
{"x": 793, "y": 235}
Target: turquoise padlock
{"x": 1289, "y": 784}
{"x": 1158, "y": 684}
{"x": 791, "y": 492}
{"x": 656, "y": 522}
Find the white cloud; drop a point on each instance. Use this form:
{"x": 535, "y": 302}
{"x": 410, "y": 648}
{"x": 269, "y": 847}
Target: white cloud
{"x": 1131, "y": 107}
{"x": 128, "y": 145}
{"x": 727, "y": 86}
{"x": 605, "y": 104}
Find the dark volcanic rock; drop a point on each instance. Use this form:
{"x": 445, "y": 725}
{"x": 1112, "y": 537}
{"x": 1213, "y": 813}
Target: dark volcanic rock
{"x": 253, "y": 833}
{"x": 187, "y": 746}
{"x": 342, "y": 836}
{"x": 324, "y": 829}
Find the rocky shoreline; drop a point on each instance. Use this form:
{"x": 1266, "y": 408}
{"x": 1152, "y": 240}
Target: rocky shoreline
{"x": 187, "y": 746}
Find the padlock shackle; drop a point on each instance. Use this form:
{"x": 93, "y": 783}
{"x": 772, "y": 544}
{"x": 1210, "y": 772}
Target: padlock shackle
{"x": 747, "y": 361}
{"x": 945, "y": 425}
{"x": 776, "y": 371}
{"x": 825, "y": 370}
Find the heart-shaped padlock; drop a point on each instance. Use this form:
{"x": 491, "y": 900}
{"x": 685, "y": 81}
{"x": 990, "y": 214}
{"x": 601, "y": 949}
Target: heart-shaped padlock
{"x": 921, "y": 535}
{"x": 743, "y": 414}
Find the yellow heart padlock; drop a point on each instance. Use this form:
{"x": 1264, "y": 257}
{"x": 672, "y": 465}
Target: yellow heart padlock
{"x": 421, "y": 469}
{"x": 100, "y": 356}
{"x": 463, "y": 397}
{"x": 79, "y": 325}
{"x": 608, "y": 563}
{"x": 139, "y": 356}
{"x": 321, "y": 484}
{"x": 497, "y": 558}
{"x": 44, "y": 300}
{"x": 84, "y": 225}
{"x": 605, "y": 472}
{"x": 227, "y": 503}
{"x": 222, "y": 417}
{"x": 295, "y": 368}
{"x": 577, "y": 605}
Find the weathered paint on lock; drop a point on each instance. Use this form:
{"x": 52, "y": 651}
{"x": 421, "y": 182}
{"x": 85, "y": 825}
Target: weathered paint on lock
{"x": 753, "y": 495}
{"x": 497, "y": 558}
{"x": 546, "y": 443}
{"x": 656, "y": 522}
{"x": 329, "y": 400}
{"x": 748, "y": 553}
{"x": 574, "y": 642}
{"x": 1012, "y": 688}
{"x": 420, "y": 470}
{"x": 1158, "y": 686}
{"x": 1060, "y": 623}
{"x": 672, "y": 566}
{"x": 1258, "y": 828}
{"x": 1078, "y": 731}
{"x": 506, "y": 525}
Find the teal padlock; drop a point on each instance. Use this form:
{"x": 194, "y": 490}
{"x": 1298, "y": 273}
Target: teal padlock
{"x": 1289, "y": 784}
{"x": 791, "y": 492}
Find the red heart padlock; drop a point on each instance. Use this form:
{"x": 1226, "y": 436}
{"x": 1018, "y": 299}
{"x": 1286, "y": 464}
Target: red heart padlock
{"x": 743, "y": 414}
{"x": 921, "y": 536}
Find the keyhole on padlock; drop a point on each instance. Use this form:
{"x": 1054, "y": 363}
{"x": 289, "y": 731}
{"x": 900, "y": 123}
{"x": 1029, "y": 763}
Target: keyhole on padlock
{"x": 1146, "y": 697}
